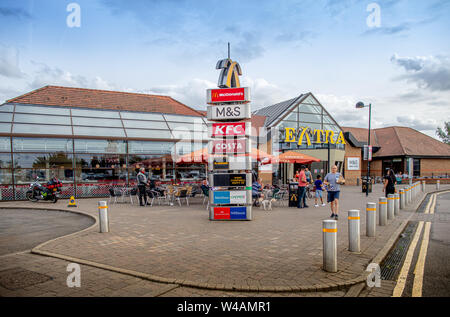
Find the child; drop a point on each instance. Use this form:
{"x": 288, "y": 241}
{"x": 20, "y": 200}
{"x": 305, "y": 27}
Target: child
{"x": 319, "y": 190}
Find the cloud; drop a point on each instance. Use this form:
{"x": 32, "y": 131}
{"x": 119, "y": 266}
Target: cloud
{"x": 417, "y": 123}
{"x": 14, "y": 12}
{"x": 47, "y": 75}
{"x": 431, "y": 72}
{"x": 9, "y": 62}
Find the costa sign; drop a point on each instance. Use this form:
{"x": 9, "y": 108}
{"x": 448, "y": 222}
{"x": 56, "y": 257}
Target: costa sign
{"x": 228, "y": 95}
{"x": 229, "y": 146}
{"x": 230, "y": 129}
{"x": 229, "y": 112}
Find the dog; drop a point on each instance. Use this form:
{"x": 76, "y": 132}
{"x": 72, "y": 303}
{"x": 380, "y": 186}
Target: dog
{"x": 266, "y": 203}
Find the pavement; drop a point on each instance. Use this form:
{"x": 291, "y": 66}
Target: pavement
{"x": 177, "y": 251}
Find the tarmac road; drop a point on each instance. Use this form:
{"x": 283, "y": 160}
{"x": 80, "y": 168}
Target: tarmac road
{"x": 23, "y": 229}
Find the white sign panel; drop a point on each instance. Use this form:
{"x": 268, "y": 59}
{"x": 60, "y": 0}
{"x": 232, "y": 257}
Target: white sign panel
{"x": 229, "y": 112}
{"x": 353, "y": 163}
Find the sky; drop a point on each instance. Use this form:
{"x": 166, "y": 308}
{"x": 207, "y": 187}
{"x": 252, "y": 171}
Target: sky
{"x": 392, "y": 54}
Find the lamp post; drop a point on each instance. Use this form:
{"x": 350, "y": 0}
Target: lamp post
{"x": 360, "y": 105}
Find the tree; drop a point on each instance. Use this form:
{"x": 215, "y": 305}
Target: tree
{"x": 444, "y": 134}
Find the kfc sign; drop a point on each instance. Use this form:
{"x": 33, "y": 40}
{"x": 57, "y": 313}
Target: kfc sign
{"x": 230, "y": 129}
{"x": 228, "y": 146}
{"x": 228, "y": 95}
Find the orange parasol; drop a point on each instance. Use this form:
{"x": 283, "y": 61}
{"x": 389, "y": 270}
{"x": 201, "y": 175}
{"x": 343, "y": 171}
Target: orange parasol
{"x": 294, "y": 157}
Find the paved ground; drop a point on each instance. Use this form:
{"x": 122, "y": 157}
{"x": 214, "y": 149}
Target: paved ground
{"x": 22, "y": 229}
{"x": 279, "y": 248}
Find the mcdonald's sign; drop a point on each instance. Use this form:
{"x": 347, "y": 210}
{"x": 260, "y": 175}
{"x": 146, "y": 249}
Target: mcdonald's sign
{"x": 225, "y": 95}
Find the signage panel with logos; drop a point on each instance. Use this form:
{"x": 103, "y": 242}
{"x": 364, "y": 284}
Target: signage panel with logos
{"x": 229, "y": 146}
{"x": 232, "y": 197}
{"x": 231, "y": 180}
{"x": 224, "y": 129}
{"x": 223, "y": 95}
{"x": 231, "y": 163}
{"x": 231, "y": 213}
{"x": 353, "y": 164}
{"x": 229, "y": 112}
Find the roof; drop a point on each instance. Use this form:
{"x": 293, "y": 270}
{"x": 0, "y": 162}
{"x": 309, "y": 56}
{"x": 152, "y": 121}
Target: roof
{"x": 274, "y": 112}
{"x": 104, "y": 99}
{"x": 401, "y": 141}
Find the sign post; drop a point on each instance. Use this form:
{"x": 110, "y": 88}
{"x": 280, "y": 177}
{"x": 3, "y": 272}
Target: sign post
{"x": 229, "y": 148}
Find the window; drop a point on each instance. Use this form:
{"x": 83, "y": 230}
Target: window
{"x": 416, "y": 167}
{"x": 307, "y": 117}
{"x": 7, "y": 108}
{"x": 95, "y": 113}
{"x": 5, "y": 117}
{"x": 137, "y": 147}
{"x": 42, "y": 145}
{"x": 145, "y": 124}
{"x": 97, "y": 122}
{"x": 44, "y": 119}
{"x": 42, "y": 110}
{"x": 5, "y": 176}
{"x": 5, "y": 160}
{"x": 42, "y": 129}
{"x": 178, "y": 118}
{"x": 90, "y": 131}
{"x": 100, "y": 146}
{"x": 5, "y": 127}
{"x": 42, "y": 160}
{"x": 149, "y": 134}
{"x": 310, "y": 109}
{"x": 141, "y": 116}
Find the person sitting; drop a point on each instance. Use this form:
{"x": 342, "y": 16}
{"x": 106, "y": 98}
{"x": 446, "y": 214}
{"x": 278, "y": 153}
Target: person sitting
{"x": 205, "y": 187}
{"x": 256, "y": 190}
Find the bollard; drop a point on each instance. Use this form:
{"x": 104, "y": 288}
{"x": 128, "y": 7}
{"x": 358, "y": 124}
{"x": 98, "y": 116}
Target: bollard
{"x": 103, "y": 216}
{"x": 437, "y": 184}
{"x": 402, "y": 198}
{"x": 354, "y": 231}
{"x": 423, "y": 186}
{"x": 329, "y": 232}
{"x": 396, "y": 204}
{"x": 407, "y": 192}
{"x": 382, "y": 208}
{"x": 371, "y": 219}
{"x": 390, "y": 206}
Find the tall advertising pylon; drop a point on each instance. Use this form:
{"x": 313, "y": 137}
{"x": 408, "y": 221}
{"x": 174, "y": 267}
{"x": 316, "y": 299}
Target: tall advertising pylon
{"x": 229, "y": 148}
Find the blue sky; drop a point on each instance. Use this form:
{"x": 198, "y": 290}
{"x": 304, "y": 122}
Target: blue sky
{"x": 285, "y": 48}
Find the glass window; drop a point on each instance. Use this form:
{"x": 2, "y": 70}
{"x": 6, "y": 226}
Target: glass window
{"x": 5, "y": 176}
{"x": 7, "y": 108}
{"x": 149, "y": 134}
{"x": 311, "y": 126}
{"x": 287, "y": 124}
{"x": 42, "y": 129}
{"x": 26, "y": 176}
{"x": 307, "y": 117}
{"x": 141, "y": 116}
{"x": 199, "y": 126}
{"x": 42, "y": 145}
{"x": 310, "y": 100}
{"x": 5, "y": 127}
{"x": 42, "y": 160}
{"x": 5, "y": 117}
{"x": 107, "y": 176}
{"x": 292, "y": 117}
{"x": 97, "y": 122}
{"x": 178, "y": 118}
{"x": 310, "y": 109}
{"x": 145, "y": 124}
{"x": 100, "y": 146}
{"x": 100, "y": 161}
{"x": 91, "y": 131}
{"x": 150, "y": 147}
{"x": 45, "y": 119}
{"x": 43, "y": 110}
{"x": 327, "y": 119}
{"x": 95, "y": 113}
{"x": 5, "y": 144}
{"x": 5, "y": 160}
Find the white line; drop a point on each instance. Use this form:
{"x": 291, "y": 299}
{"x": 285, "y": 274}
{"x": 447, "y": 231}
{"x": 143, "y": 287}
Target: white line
{"x": 401, "y": 281}
{"x": 420, "y": 265}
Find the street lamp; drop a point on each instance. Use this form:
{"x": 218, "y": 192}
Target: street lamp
{"x": 360, "y": 105}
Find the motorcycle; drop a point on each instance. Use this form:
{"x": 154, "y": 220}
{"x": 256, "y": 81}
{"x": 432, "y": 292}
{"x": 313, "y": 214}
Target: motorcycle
{"x": 48, "y": 192}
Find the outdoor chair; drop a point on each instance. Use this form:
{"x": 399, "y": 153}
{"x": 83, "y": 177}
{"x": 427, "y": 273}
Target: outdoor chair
{"x": 182, "y": 193}
{"x": 114, "y": 192}
{"x": 205, "y": 192}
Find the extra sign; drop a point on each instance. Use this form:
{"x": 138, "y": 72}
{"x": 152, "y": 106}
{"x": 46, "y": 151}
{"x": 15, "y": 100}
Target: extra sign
{"x": 229, "y": 146}
{"x": 230, "y": 213}
{"x": 229, "y": 129}
{"x": 238, "y": 197}
{"x": 231, "y": 180}
{"x": 225, "y": 95}
{"x": 229, "y": 112}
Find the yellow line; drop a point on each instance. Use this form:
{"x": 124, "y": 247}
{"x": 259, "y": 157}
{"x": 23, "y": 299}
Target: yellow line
{"x": 433, "y": 206}
{"x": 401, "y": 281}
{"x": 420, "y": 265}
{"x": 427, "y": 208}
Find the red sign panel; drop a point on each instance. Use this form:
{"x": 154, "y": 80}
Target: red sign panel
{"x": 228, "y": 146}
{"x": 221, "y": 213}
{"x": 231, "y": 129}
{"x": 228, "y": 95}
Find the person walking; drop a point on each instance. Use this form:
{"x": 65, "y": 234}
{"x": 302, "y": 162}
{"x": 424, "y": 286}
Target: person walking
{"x": 142, "y": 183}
{"x": 308, "y": 175}
{"x": 389, "y": 182}
{"x": 319, "y": 190}
{"x": 301, "y": 191}
{"x": 332, "y": 181}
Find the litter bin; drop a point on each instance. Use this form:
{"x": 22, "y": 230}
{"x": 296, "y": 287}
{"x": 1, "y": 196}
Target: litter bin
{"x": 293, "y": 194}
{"x": 364, "y": 184}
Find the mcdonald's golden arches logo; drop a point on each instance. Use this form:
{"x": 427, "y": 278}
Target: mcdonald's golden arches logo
{"x": 229, "y": 76}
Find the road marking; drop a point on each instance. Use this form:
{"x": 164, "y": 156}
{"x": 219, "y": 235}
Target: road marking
{"x": 427, "y": 208}
{"x": 420, "y": 265}
{"x": 401, "y": 281}
{"x": 433, "y": 205}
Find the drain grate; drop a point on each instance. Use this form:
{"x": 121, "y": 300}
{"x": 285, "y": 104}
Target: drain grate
{"x": 392, "y": 262}
{"x": 423, "y": 205}
{"x": 18, "y": 278}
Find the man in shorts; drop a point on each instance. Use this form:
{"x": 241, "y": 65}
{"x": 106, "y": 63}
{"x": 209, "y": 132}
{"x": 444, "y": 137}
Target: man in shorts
{"x": 319, "y": 190}
{"x": 332, "y": 181}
